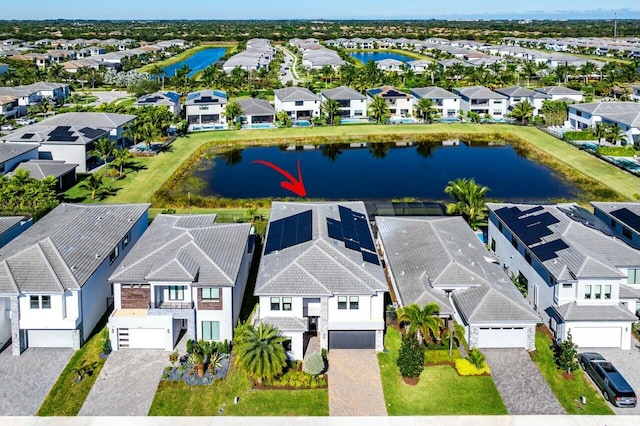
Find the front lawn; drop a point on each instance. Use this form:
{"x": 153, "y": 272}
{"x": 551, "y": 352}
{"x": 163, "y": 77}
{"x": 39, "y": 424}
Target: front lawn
{"x": 440, "y": 390}
{"x": 568, "y": 392}
{"x": 179, "y": 399}
{"x": 66, "y": 396}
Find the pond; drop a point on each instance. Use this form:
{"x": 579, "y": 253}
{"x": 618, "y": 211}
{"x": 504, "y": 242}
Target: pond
{"x": 198, "y": 61}
{"x": 380, "y": 171}
{"x": 365, "y": 57}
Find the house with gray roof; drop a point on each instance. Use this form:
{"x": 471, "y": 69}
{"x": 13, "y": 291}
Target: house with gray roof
{"x": 11, "y": 227}
{"x": 54, "y": 275}
{"x": 561, "y": 93}
{"x": 300, "y": 103}
{"x": 63, "y": 172}
{"x": 204, "y": 110}
{"x": 580, "y": 278}
{"x": 400, "y": 103}
{"x": 320, "y": 275}
{"x": 446, "y": 103}
{"x": 169, "y": 99}
{"x": 186, "y": 274}
{"x": 392, "y": 65}
{"x": 517, "y": 94}
{"x": 623, "y": 218}
{"x": 12, "y": 154}
{"x": 441, "y": 260}
{"x": 352, "y": 104}
{"x": 483, "y": 101}
{"x": 257, "y": 111}
{"x": 624, "y": 115}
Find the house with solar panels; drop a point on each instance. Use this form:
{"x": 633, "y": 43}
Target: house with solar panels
{"x": 320, "y": 277}
{"x": 53, "y": 276}
{"x": 204, "y": 110}
{"x": 70, "y": 137}
{"x": 169, "y": 99}
{"x": 400, "y": 103}
{"x": 624, "y": 219}
{"x": 186, "y": 275}
{"x": 580, "y": 277}
{"x": 441, "y": 260}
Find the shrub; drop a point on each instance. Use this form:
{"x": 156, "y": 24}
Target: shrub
{"x": 440, "y": 356}
{"x": 314, "y": 364}
{"x": 174, "y": 357}
{"x": 324, "y": 353}
{"x": 411, "y": 357}
{"x": 392, "y": 314}
{"x": 476, "y": 358}
{"x": 465, "y": 368}
{"x": 617, "y": 151}
{"x": 459, "y": 336}
{"x": 566, "y": 354}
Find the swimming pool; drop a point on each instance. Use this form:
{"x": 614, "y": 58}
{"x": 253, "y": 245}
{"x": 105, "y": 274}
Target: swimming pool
{"x": 260, "y": 126}
{"x": 205, "y": 127}
{"x": 401, "y": 121}
{"x": 588, "y": 145}
{"x": 354, "y": 120}
{"x": 301, "y": 123}
{"x": 627, "y": 164}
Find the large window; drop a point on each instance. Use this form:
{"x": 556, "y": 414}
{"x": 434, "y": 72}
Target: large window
{"x": 633, "y": 276}
{"x": 40, "y": 302}
{"x": 286, "y": 303}
{"x": 211, "y": 294}
{"x": 275, "y": 303}
{"x": 210, "y": 330}
{"x": 587, "y": 291}
{"x": 354, "y": 302}
{"x": 342, "y": 302}
{"x": 176, "y": 292}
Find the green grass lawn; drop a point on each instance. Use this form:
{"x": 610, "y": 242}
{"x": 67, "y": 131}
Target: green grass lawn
{"x": 440, "y": 390}
{"x": 180, "y": 399}
{"x": 568, "y": 392}
{"x": 66, "y": 396}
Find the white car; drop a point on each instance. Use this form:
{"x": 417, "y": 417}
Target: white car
{"x": 7, "y": 127}
{"x": 25, "y": 121}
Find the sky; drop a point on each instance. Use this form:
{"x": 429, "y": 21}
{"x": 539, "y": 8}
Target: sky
{"x": 313, "y": 9}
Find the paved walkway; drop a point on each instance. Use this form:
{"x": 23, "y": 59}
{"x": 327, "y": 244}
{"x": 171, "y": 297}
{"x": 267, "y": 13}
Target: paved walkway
{"x": 521, "y": 385}
{"x": 25, "y": 380}
{"x": 127, "y": 383}
{"x": 627, "y": 363}
{"x": 355, "y": 388}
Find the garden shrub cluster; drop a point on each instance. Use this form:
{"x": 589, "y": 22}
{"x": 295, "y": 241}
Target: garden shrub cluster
{"x": 582, "y": 135}
{"x": 411, "y": 357}
{"x": 297, "y": 379}
{"x": 435, "y": 357}
{"x": 464, "y": 367}
{"x": 617, "y": 151}
{"x": 314, "y": 364}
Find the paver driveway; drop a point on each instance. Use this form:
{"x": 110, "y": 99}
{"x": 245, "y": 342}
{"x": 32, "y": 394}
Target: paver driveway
{"x": 25, "y": 380}
{"x": 521, "y": 385}
{"x": 355, "y": 388}
{"x": 127, "y": 383}
{"x": 627, "y": 363}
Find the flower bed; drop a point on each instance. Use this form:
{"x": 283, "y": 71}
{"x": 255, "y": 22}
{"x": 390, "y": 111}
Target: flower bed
{"x": 465, "y": 368}
{"x": 190, "y": 376}
{"x": 294, "y": 379}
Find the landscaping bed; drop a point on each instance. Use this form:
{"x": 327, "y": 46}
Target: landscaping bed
{"x": 190, "y": 376}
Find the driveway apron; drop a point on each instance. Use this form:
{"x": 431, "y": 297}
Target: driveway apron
{"x": 355, "y": 388}
{"x": 127, "y": 383}
{"x": 521, "y": 385}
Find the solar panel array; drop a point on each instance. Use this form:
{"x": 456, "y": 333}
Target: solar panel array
{"x": 27, "y": 136}
{"x": 62, "y": 134}
{"x": 90, "y": 133}
{"x": 353, "y": 230}
{"x": 289, "y": 231}
{"x": 629, "y": 218}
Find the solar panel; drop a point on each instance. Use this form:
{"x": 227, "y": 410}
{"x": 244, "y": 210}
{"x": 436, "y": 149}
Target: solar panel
{"x": 628, "y": 217}
{"x": 549, "y": 250}
{"x": 289, "y": 231}
{"x": 27, "y": 136}
{"x": 335, "y": 229}
{"x": 62, "y": 134}
{"x": 353, "y": 230}
{"x": 370, "y": 257}
{"x": 92, "y": 133}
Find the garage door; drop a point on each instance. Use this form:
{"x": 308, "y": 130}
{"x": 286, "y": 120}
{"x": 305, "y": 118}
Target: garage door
{"x": 141, "y": 338}
{"x": 359, "y": 339}
{"x": 597, "y": 337}
{"x": 49, "y": 339}
{"x": 502, "y": 337}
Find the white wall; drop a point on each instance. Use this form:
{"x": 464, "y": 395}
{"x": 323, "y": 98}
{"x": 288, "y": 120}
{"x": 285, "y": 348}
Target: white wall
{"x": 211, "y": 109}
{"x": 292, "y": 109}
{"x": 70, "y": 153}
{"x": 63, "y": 313}
{"x": 369, "y": 315}
{"x": 297, "y": 345}
{"x": 237, "y": 292}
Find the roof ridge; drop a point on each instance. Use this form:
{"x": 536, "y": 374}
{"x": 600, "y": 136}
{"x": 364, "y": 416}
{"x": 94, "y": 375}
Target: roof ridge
{"x": 64, "y": 263}
{"x": 346, "y": 269}
{"x": 197, "y": 247}
{"x": 49, "y": 265}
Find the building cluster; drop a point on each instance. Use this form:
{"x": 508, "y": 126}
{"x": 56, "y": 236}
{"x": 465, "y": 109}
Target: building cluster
{"x": 258, "y": 54}
{"x": 603, "y": 46}
{"x": 316, "y": 56}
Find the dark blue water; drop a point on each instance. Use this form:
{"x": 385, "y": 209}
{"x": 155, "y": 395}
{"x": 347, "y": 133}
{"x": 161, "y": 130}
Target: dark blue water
{"x": 403, "y": 172}
{"x": 365, "y": 57}
{"x": 198, "y": 61}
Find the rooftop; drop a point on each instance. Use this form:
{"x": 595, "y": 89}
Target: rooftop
{"x": 291, "y": 94}
{"x": 343, "y": 92}
{"x": 626, "y": 213}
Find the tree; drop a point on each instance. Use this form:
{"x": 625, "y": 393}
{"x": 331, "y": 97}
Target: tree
{"x": 122, "y": 157}
{"x": 616, "y": 134}
{"x": 555, "y": 112}
{"x": 522, "y": 111}
{"x": 566, "y": 353}
{"x": 425, "y": 110}
{"x": 103, "y": 148}
{"x": 159, "y": 73}
{"x": 260, "y": 353}
{"x": 283, "y": 119}
{"x": 94, "y": 183}
{"x": 331, "y": 109}
{"x": 379, "y": 110}
{"x": 410, "y": 357}
{"x": 469, "y": 200}
{"x": 600, "y": 131}
{"x": 232, "y": 111}
{"x": 424, "y": 323}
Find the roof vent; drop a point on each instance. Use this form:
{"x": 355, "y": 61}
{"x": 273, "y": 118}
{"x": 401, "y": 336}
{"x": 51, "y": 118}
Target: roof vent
{"x": 74, "y": 267}
{"x": 97, "y": 256}
{"x": 401, "y": 273}
{"x": 99, "y": 217}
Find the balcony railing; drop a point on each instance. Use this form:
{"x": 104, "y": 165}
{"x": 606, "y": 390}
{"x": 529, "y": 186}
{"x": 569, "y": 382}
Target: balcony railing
{"x": 173, "y": 305}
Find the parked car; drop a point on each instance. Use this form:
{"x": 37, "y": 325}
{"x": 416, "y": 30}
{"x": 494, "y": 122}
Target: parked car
{"x": 7, "y": 127}
{"x": 25, "y": 121}
{"x": 606, "y": 376}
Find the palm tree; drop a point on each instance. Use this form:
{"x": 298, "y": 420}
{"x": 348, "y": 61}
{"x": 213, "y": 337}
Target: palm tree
{"x": 232, "y": 156}
{"x": 379, "y": 150}
{"x": 588, "y": 69}
{"x": 425, "y": 109}
{"x": 616, "y": 134}
{"x": 379, "y": 110}
{"x": 423, "y": 322}
{"x": 333, "y": 150}
{"x": 122, "y": 157}
{"x": 600, "y": 131}
{"x": 522, "y": 111}
{"x": 469, "y": 200}
{"x": 103, "y": 148}
{"x": 159, "y": 73}
{"x": 260, "y": 352}
{"x": 94, "y": 183}
{"x": 330, "y": 108}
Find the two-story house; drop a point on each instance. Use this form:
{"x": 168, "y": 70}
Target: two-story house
{"x": 12, "y": 154}
{"x": 624, "y": 219}
{"x": 187, "y": 274}
{"x": 352, "y": 103}
{"x": 441, "y": 260}
{"x": 517, "y": 94}
{"x": 169, "y": 99}
{"x": 579, "y": 278}
{"x": 623, "y": 115}
{"x": 446, "y": 103}
{"x": 320, "y": 276}
{"x": 299, "y": 103}
{"x": 482, "y": 101}
{"x": 400, "y": 103}
{"x": 204, "y": 110}
{"x": 53, "y": 276}
{"x": 561, "y": 93}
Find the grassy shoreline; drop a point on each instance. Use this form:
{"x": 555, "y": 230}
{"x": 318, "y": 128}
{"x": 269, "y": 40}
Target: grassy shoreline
{"x": 181, "y": 56}
{"x": 413, "y": 55}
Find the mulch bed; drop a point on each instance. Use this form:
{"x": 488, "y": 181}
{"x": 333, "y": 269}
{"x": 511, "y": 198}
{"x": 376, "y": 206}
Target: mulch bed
{"x": 545, "y": 330}
{"x": 411, "y": 381}
{"x": 175, "y": 373}
{"x": 568, "y": 376}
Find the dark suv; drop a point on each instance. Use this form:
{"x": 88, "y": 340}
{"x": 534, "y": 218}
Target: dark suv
{"x": 613, "y": 386}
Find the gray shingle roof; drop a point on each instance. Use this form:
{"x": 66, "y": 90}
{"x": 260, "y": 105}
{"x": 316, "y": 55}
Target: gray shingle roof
{"x": 622, "y": 112}
{"x": 557, "y": 90}
{"x": 433, "y": 92}
{"x": 291, "y": 94}
{"x": 103, "y": 120}
{"x": 343, "y": 92}
{"x": 629, "y": 292}
{"x": 186, "y": 248}
{"x": 519, "y": 91}
{"x": 320, "y": 266}
{"x": 478, "y": 92}
{"x": 9, "y": 150}
{"x": 254, "y": 106}
{"x": 429, "y": 254}
{"x": 287, "y": 323}
{"x": 7, "y": 222}
{"x": 626, "y": 213}
{"x": 40, "y": 169}
{"x": 63, "y": 249}
{"x": 596, "y": 313}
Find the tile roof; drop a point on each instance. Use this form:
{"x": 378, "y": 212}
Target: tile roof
{"x": 158, "y": 98}
{"x": 626, "y": 213}
{"x": 558, "y": 90}
{"x": 287, "y": 323}
{"x": 206, "y": 97}
{"x": 343, "y": 92}
{"x": 433, "y": 92}
{"x": 622, "y": 112}
{"x": 519, "y": 91}
{"x": 9, "y": 150}
{"x": 597, "y": 313}
{"x": 7, "y": 222}
{"x": 186, "y": 248}
{"x": 629, "y": 292}
{"x": 40, "y": 169}
{"x": 477, "y": 92}
{"x": 254, "y": 106}
{"x": 291, "y": 94}
{"x": 388, "y": 92}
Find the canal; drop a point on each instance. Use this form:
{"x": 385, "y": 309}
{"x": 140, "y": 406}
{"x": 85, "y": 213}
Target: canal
{"x": 198, "y": 61}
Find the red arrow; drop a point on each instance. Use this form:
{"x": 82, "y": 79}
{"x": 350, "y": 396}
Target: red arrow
{"x": 294, "y": 185}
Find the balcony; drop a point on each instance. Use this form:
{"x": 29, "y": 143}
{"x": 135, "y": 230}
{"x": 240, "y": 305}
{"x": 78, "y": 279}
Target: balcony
{"x": 173, "y": 305}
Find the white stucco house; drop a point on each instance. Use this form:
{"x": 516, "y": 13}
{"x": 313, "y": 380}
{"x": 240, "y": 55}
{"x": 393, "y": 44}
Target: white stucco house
{"x": 483, "y": 101}
{"x": 257, "y": 111}
{"x": 392, "y": 65}
{"x": 441, "y": 260}
{"x": 320, "y": 275}
{"x": 353, "y": 104}
{"x": 53, "y": 276}
{"x": 517, "y": 94}
{"x": 298, "y": 102}
{"x": 186, "y": 274}
{"x": 624, "y": 115}
{"x": 580, "y": 279}
{"x": 561, "y": 93}
{"x": 446, "y": 103}
{"x": 204, "y": 110}
{"x": 400, "y": 103}
{"x": 169, "y": 99}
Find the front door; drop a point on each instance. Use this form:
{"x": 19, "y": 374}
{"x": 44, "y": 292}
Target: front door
{"x": 313, "y": 325}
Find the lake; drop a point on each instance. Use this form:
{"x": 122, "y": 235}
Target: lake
{"x": 198, "y": 61}
{"x": 381, "y": 171}
{"x": 365, "y": 57}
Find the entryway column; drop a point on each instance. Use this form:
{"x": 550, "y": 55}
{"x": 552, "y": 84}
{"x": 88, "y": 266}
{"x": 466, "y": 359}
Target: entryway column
{"x": 323, "y": 323}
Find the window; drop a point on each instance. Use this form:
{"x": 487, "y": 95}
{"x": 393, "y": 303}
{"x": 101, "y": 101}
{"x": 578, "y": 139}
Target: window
{"x": 286, "y": 303}
{"x": 567, "y": 285}
{"x": 40, "y": 302}
{"x": 497, "y": 101}
{"x": 127, "y": 238}
{"x": 358, "y": 113}
{"x": 34, "y": 302}
{"x": 493, "y": 245}
{"x": 514, "y": 242}
{"x": 500, "y": 226}
{"x": 203, "y": 107}
{"x": 46, "y": 302}
{"x": 353, "y": 302}
{"x": 587, "y": 291}
{"x": 287, "y": 345}
{"x": 275, "y": 303}
{"x": 607, "y": 292}
{"x": 527, "y": 257}
{"x": 626, "y": 232}
{"x": 299, "y": 103}
{"x": 497, "y": 112}
{"x": 211, "y": 294}
{"x": 634, "y": 276}
{"x": 342, "y": 302}
{"x": 176, "y": 292}
{"x": 598, "y": 292}
{"x": 114, "y": 255}
{"x": 210, "y": 330}
{"x": 613, "y": 223}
